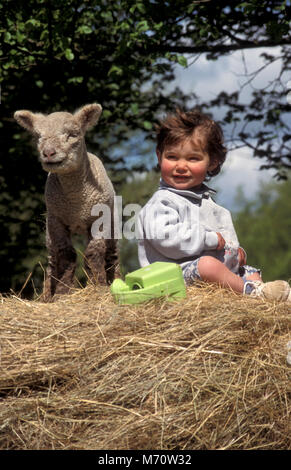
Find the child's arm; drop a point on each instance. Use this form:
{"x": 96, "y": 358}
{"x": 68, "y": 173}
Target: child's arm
{"x": 170, "y": 230}
{"x": 242, "y": 256}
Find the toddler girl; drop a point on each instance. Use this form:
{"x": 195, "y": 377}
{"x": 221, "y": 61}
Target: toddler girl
{"x": 182, "y": 224}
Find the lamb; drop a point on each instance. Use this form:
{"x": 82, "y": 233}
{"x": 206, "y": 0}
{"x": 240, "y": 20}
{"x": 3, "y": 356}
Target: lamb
{"x": 76, "y": 181}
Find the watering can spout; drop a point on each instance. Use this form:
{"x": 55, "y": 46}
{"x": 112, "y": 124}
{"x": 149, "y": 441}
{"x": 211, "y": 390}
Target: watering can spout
{"x": 119, "y": 286}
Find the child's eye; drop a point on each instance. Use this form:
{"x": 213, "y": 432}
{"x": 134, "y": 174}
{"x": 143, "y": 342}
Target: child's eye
{"x": 194, "y": 158}
{"x": 171, "y": 157}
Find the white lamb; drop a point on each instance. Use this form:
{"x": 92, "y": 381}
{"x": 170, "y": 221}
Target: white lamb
{"x": 77, "y": 180}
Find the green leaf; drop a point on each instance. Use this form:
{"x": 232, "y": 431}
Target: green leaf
{"x": 203, "y": 32}
{"x": 33, "y": 22}
{"x": 107, "y": 15}
{"x": 182, "y": 61}
{"x": 106, "y": 113}
{"x": 113, "y": 86}
{"x": 115, "y": 70}
{"x": 76, "y": 80}
{"x": 69, "y": 54}
{"x": 158, "y": 26}
{"x": 134, "y": 108}
{"x": 7, "y": 36}
{"x": 20, "y": 37}
{"x": 147, "y": 125}
{"x": 142, "y": 26}
{"x": 84, "y": 29}
{"x": 140, "y": 8}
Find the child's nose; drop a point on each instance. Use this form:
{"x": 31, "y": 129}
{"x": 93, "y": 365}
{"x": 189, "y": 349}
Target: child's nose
{"x": 181, "y": 166}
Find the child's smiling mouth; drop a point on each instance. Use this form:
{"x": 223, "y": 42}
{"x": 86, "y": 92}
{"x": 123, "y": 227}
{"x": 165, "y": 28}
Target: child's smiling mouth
{"x": 181, "y": 177}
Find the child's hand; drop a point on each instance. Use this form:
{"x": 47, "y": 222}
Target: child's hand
{"x": 221, "y": 242}
{"x": 242, "y": 259}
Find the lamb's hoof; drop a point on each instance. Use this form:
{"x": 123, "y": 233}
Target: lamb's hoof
{"x": 46, "y": 298}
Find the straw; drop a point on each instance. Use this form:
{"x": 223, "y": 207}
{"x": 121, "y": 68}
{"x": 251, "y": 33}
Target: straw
{"x": 207, "y": 372}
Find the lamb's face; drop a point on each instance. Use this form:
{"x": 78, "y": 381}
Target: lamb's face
{"x": 60, "y": 140}
{"x": 60, "y": 136}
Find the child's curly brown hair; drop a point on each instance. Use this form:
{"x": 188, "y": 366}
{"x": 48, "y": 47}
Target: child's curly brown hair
{"x": 181, "y": 125}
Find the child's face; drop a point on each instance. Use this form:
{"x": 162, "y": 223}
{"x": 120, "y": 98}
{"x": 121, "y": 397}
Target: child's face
{"x": 185, "y": 165}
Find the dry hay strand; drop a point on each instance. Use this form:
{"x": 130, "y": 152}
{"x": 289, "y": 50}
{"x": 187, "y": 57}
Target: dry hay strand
{"x": 207, "y": 372}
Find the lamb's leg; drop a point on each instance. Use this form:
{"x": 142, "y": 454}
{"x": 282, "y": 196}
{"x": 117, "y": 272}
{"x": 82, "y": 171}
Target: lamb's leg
{"x": 102, "y": 258}
{"x": 94, "y": 260}
{"x": 112, "y": 266}
{"x": 61, "y": 259}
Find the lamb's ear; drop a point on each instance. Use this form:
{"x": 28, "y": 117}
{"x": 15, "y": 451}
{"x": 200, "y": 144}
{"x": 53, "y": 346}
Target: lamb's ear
{"x": 26, "y": 119}
{"x": 88, "y": 116}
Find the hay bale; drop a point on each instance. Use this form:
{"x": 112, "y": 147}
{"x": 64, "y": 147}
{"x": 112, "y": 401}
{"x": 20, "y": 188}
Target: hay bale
{"x": 207, "y": 372}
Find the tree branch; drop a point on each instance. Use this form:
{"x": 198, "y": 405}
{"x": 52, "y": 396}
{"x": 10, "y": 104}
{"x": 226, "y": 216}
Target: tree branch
{"x": 220, "y": 48}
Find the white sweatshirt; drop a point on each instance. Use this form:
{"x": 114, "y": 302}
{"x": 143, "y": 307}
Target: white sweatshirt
{"x": 180, "y": 226}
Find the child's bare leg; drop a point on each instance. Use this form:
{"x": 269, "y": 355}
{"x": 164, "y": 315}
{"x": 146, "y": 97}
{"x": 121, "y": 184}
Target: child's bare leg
{"x": 213, "y": 270}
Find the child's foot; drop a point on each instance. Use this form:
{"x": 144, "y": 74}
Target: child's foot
{"x": 275, "y": 290}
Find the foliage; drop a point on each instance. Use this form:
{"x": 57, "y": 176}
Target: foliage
{"x": 264, "y": 227}
{"x": 60, "y": 55}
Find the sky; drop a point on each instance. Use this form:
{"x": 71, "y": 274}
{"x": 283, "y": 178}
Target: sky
{"x": 207, "y": 79}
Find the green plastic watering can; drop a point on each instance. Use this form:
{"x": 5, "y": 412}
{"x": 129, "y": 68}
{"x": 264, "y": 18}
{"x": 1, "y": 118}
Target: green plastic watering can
{"x": 155, "y": 280}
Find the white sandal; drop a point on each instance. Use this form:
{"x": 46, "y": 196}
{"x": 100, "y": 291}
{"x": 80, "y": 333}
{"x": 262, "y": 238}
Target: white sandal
{"x": 275, "y": 290}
